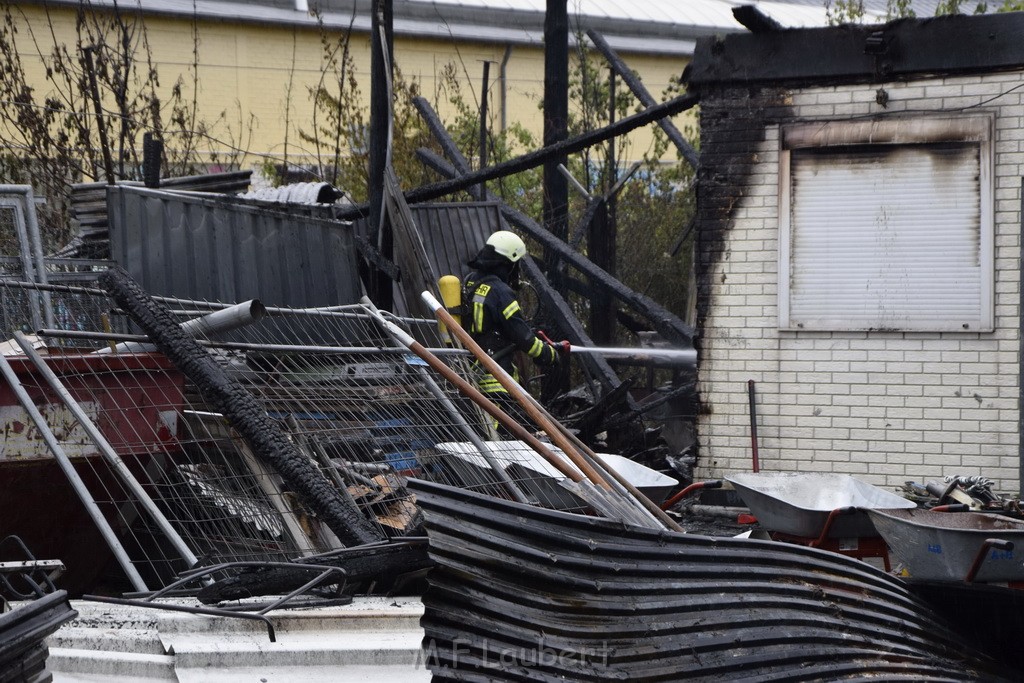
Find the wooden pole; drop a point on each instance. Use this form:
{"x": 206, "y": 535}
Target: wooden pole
{"x": 477, "y": 396}
{"x": 558, "y": 433}
{"x": 516, "y": 391}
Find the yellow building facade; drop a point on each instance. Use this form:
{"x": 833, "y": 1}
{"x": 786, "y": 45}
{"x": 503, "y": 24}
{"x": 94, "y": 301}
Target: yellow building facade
{"x": 252, "y": 80}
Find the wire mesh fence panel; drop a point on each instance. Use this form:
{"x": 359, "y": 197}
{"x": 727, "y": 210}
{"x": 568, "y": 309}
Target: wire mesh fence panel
{"x": 359, "y": 409}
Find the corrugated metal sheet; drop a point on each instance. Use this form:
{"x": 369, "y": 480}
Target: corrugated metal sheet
{"x": 526, "y": 594}
{"x": 452, "y": 234}
{"x": 89, "y": 207}
{"x": 23, "y": 652}
{"x": 211, "y": 249}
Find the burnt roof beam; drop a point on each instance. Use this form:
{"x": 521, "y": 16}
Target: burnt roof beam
{"x": 664, "y": 322}
{"x": 641, "y": 93}
{"x": 533, "y": 159}
{"x": 754, "y": 20}
{"x": 851, "y": 53}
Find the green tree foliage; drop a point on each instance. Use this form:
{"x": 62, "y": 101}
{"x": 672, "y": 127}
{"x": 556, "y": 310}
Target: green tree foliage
{"x": 844, "y": 11}
{"x": 655, "y": 207}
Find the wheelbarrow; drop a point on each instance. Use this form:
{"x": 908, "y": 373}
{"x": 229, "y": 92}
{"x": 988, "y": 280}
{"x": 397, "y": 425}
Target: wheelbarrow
{"x": 820, "y": 510}
{"x": 954, "y": 546}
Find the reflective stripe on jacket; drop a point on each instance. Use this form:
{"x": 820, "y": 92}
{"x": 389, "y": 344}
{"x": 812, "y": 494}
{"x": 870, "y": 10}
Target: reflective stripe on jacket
{"x": 496, "y": 322}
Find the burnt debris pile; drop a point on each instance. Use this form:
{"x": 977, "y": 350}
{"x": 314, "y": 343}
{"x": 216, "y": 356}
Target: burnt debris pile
{"x": 194, "y": 433}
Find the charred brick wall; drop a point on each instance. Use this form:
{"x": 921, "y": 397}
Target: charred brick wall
{"x": 738, "y": 131}
{"x": 886, "y": 407}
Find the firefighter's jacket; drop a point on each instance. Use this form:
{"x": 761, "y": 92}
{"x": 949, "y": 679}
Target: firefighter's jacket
{"x": 494, "y": 320}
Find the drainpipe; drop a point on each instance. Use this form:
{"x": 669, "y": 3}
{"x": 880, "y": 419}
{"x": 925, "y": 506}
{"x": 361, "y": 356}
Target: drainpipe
{"x": 502, "y": 72}
{"x": 1020, "y": 361}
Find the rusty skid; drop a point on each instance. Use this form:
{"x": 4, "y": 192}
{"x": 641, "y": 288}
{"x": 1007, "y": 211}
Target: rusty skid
{"x": 525, "y": 594}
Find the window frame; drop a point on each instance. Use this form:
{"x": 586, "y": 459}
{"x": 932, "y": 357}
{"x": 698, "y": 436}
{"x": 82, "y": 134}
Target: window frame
{"x": 976, "y": 128}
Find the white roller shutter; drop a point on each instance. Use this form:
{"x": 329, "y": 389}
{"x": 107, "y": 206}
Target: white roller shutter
{"x": 886, "y": 237}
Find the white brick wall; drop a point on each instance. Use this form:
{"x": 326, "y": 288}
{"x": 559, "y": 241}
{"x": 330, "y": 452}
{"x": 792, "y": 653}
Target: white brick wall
{"x": 885, "y": 407}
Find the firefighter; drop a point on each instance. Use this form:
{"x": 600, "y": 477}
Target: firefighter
{"x": 493, "y": 317}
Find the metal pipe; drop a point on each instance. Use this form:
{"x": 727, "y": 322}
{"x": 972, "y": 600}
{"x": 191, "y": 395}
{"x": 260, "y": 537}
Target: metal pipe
{"x": 502, "y": 76}
{"x": 575, "y": 183}
{"x": 106, "y": 450}
{"x": 224, "y": 320}
{"x": 244, "y": 346}
{"x": 667, "y": 357}
{"x": 753, "y": 426}
{"x": 69, "y": 471}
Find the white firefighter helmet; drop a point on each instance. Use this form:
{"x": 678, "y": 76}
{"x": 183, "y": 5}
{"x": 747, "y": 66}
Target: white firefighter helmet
{"x": 508, "y": 244}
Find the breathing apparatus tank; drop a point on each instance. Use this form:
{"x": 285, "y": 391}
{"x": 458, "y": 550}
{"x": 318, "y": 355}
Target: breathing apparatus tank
{"x": 451, "y": 297}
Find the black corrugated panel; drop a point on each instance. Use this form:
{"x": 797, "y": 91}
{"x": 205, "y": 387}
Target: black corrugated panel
{"x": 89, "y": 206}
{"x": 527, "y": 594}
{"x": 194, "y": 247}
{"x": 22, "y": 632}
{"x": 452, "y": 234}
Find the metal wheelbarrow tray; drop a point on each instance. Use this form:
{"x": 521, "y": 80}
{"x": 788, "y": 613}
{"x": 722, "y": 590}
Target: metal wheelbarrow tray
{"x": 944, "y": 546}
{"x": 799, "y": 504}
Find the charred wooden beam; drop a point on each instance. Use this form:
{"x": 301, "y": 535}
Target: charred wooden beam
{"x": 756, "y": 21}
{"x": 540, "y": 156}
{"x": 265, "y": 436}
{"x": 933, "y": 46}
{"x": 459, "y": 164}
{"x": 381, "y": 44}
{"x": 645, "y": 97}
{"x": 373, "y": 256}
{"x": 556, "y": 122}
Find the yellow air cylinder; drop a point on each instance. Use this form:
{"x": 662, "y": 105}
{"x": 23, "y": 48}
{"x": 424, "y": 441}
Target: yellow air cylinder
{"x": 451, "y": 297}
